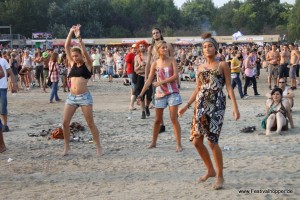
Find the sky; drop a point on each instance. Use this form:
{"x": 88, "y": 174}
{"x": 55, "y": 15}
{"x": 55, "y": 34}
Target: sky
{"x": 219, "y": 3}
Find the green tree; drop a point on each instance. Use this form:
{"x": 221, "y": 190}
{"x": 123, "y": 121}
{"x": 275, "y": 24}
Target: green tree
{"x": 294, "y": 22}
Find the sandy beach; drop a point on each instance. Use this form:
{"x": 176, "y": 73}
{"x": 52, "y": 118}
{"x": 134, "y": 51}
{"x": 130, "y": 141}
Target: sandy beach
{"x": 255, "y": 166}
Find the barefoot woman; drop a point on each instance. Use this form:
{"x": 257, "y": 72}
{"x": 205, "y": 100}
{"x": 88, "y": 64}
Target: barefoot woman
{"x": 210, "y": 108}
{"x": 79, "y": 95}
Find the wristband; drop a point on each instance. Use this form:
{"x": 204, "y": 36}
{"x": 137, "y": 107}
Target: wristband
{"x": 188, "y": 105}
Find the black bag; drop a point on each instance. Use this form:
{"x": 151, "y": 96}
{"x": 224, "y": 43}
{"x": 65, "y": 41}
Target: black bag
{"x": 49, "y": 82}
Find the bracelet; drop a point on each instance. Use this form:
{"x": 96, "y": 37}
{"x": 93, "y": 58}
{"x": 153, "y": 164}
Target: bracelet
{"x": 188, "y": 105}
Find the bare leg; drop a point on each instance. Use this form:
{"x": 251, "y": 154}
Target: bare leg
{"x": 176, "y": 126}
{"x": 88, "y": 114}
{"x": 67, "y": 116}
{"x": 157, "y": 121}
{"x": 217, "y": 152}
{"x": 2, "y": 144}
{"x": 281, "y": 121}
{"x": 204, "y": 154}
{"x": 270, "y": 122}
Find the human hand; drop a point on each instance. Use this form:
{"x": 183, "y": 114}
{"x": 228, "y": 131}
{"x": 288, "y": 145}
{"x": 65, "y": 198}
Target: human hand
{"x": 236, "y": 114}
{"x": 77, "y": 30}
{"x": 182, "y": 111}
{"x": 156, "y": 84}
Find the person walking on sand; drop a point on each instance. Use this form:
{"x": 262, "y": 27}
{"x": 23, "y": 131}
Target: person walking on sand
{"x": 54, "y": 77}
{"x": 79, "y": 95}
{"x": 167, "y": 92}
{"x": 209, "y": 110}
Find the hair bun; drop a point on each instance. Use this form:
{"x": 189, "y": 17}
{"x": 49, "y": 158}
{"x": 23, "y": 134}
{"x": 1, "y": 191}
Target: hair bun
{"x": 206, "y": 35}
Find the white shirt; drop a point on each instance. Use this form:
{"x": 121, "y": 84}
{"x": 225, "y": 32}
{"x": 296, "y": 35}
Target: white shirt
{"x": 5, "y": 65}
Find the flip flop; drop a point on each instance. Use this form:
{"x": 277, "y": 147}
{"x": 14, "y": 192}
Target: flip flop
{"x": 260, "y": 115}
{"x": 32, "y": 134}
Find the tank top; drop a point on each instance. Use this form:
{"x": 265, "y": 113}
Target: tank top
{"x": 81, "y": 71}
{"x": 167, "y": 88}
{"x": 26, "y": 62}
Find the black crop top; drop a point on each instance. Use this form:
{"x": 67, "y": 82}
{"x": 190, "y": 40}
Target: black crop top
{"x": 81, "y": 71}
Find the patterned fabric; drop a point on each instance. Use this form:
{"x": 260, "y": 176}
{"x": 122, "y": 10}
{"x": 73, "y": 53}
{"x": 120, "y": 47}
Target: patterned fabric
{"x": 55, "y": 74}
{"x": 210, "y": 106}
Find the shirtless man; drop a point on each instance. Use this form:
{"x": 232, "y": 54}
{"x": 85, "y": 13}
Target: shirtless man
{"x": 153, "y": 56}
{"x": 284, "y": 61}
{"x": 139, "y": 68}
{"x": 273, "y": 57}
{"x": 294, "y": 65}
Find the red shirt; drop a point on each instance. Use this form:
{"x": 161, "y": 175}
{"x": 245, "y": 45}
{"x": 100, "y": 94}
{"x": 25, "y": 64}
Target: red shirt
{"x": 129, "y": 59}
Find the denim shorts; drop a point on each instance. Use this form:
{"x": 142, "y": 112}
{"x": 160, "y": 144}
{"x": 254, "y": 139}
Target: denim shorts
{"x": 173, "y": 99}
{"x": 3, "y": 101}
{"x": 84, "y": 99}
{"x": 130, "y": 79}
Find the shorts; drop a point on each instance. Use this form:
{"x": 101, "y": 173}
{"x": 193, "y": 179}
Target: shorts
{"x": 39, "y": 72}
{"x": 131, "y": 83}
{"x": 293, "y": 71}
{"x": 3, "y": 101}
{"x": 273, "y": 70}
{"x": 173, "y": 99}
{"x": 96, "y": 69}
{"x": 84, "y": 99}
{"x": 283, "y": 71}
{"x": 46, "y": 73}
{"x": 139, "y": 87}
{"x": 110, "y": 70}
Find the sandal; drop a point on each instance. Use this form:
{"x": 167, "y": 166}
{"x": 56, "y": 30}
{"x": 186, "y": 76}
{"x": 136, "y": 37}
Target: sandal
{"x": 248, "y": 129}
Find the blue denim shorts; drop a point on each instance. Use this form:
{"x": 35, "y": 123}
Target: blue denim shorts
{"x": 173, "y": 99}
{"x": 84, "y": 99}
{"x": 3, "y": 101}
{"x": 130, "y": 79}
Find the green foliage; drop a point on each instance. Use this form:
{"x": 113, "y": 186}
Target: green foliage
{"x": 136, "y": 18}
{"x": 294, "y": 23}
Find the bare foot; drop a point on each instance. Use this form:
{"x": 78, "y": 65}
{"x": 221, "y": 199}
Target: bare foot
{"x": 2, "y": 149}
{"x": 207, "y": 175}
{"x": 179, "y": 149}
{"x": 218, "y": 184}
{"x": 66, "y": 150}
{"x": 100, "y": 151}
{"x": 268, "y": 132}
{"x": 151, "y": 146}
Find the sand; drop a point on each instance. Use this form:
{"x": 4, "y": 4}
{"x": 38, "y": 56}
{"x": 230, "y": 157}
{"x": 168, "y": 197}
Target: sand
{"x": 33, "y": 168}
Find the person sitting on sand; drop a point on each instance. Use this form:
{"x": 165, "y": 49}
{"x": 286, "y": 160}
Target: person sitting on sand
{"x": 280, "y": 111}
{"x": 287, "y": 92}
{"x": 79, "y": 95}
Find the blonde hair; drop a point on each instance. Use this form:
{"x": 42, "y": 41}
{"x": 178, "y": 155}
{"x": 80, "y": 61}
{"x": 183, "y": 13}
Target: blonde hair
{"x": 77, "y": 50}
{"x": 159, "y": 44}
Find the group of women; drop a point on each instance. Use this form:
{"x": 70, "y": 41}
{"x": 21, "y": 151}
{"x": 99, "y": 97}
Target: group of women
{"x": 208, "y": 98}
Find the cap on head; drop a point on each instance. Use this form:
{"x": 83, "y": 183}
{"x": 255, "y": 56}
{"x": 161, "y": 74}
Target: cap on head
{"x": 45, "y": 55}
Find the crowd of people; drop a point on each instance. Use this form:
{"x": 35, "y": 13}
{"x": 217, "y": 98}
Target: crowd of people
{"x": 155, "y": 73}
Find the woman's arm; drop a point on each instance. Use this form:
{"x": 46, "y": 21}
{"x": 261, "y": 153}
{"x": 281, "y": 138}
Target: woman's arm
{"x": 192, "y": 97}
{"x": 88, "y": 59}
{"x": 149, "y": 80}
{"x": 226, "y": 74}
{"x": 68, "y": 45}
{"x": 288, "y": 112}
{"x": 173, "y": 78}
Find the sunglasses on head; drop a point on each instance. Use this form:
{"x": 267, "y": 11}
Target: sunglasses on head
{"x": 281, "y": 82}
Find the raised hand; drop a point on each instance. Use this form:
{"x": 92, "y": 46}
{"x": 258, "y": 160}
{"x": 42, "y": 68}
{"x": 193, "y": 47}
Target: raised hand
{"x": 77, "y": 30}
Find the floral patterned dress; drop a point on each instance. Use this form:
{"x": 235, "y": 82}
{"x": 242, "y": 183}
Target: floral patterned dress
{"x": 210, "y": 105}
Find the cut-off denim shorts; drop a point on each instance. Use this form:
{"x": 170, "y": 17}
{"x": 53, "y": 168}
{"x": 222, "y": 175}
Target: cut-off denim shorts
{"x": 84, "y": 99}
{"x": 173, "y": 99}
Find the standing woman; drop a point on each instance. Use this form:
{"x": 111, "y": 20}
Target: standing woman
{"x": 209, "y": 108}
{"x": 110, "y": 66}
{"x": 79, "y": 96}
{"x": 167, "y": 92}
{"x": 54, "y": 71}
{"x": 26, "y": 68}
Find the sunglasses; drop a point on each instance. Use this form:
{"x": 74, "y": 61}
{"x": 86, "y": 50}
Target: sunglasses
{"x": 281, "y": 82}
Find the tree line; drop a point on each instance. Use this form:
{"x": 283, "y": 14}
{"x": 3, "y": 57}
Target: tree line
{"x": 136, "y": 18}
